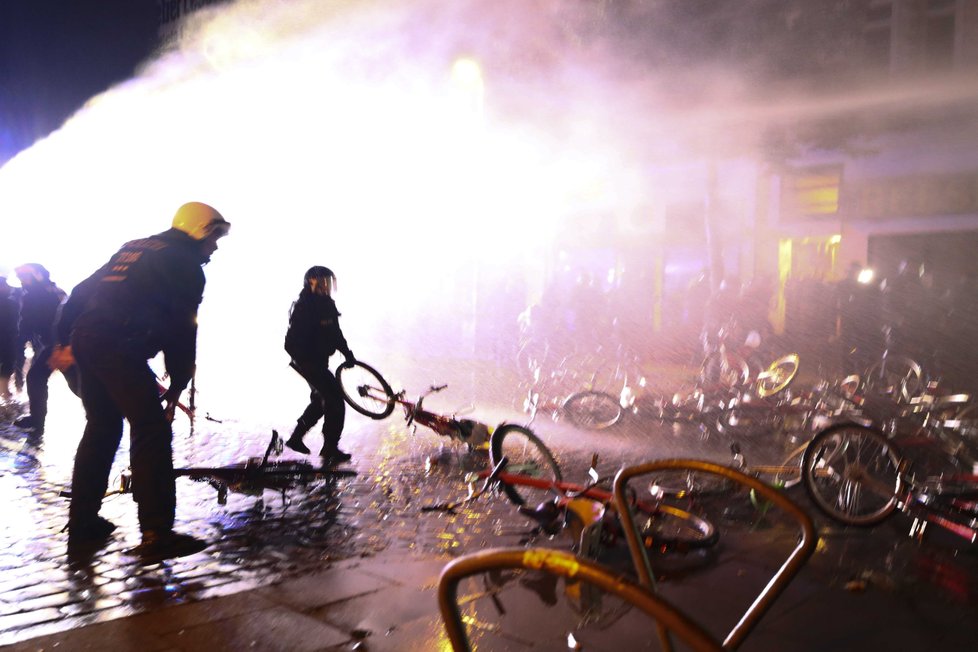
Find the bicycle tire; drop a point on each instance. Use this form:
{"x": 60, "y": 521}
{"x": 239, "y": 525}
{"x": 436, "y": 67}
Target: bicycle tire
{"x": 726, "y": 369}
{"x": 527, "y": 455}
{"x": 592, "y": 410}
{"x": 778, "y": 375}
{"x": 898, "y": 374}
{"x": 673, "y": 529}
{"x": 844, "y": 469}
{"x": 365, "y": 390}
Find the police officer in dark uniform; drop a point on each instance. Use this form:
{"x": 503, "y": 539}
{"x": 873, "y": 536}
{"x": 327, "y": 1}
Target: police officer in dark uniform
{"x": 313, "y": 336}
{"x": 9, "y": 318}
{"x": 40, "y": 302}
{"x": 143, "y": 301}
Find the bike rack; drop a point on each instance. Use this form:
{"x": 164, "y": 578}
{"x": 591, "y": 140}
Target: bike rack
{"x": 779, "y": 581}
{"x": 573, "y": 568}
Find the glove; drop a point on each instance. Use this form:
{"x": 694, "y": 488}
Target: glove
{"x": 350, "y": 360}
{"x": 61, "y": 358}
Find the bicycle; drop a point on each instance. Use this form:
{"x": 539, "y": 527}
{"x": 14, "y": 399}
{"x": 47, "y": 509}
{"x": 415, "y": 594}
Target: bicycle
{"x": 588, "y": 409}
{"x": 191, "y": 409}
{"x": 598, "y": 592}
{"x": 367, "y": 392}
{"x": 526, "y": 472}
{"x": 559, "y": 393}
{"x": 251, "y": 477}
{"x": 596, "y": 409}
{"x": 691, "y": 484}
{"x": 771, "y": 409}
{"x": 897, "y": 376}
{"x": 727, "y": 364}
{"x": 736, "y": 405}
{"x": 858, "y": 476}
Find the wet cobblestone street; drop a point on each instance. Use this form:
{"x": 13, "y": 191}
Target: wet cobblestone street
{"x": 260, "y": 539}
{"x": 256, "y": 538}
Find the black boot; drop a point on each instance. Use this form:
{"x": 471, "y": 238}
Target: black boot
{"x": 295, "y": 441}
{"x": 331, "y": 452}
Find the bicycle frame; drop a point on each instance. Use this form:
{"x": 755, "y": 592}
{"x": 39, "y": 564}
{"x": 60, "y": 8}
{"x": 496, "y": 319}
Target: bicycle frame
{"x": 957, "y": 513}
{"x": 189, "y": 410}
{"x": 567, "y": 497}
{"x": 864, "y": 476}
{"x": 949, "y": 502}
{"x": 473, "y": 433}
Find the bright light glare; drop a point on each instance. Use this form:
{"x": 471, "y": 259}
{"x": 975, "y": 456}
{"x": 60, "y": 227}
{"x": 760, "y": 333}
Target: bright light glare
{"x": 468, "y": 74}
{"x": 324, "y": 141}
{"x": 865, "y": 276}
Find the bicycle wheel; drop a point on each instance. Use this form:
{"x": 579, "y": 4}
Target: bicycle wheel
{"x": 852, "y": 474}
{"x": 896, "y": 375}
{"x": 725, "y": 368}
{"x": 670, "y": 528}
{"x": 778, "y": 375}
{"x": 592, "y": 410}
{"x": 365, "y": 390}
{"x": 526, "y": 455}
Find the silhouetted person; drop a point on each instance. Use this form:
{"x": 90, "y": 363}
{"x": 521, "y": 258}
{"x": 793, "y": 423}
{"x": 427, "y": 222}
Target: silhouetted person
{"x": 143, "y": 301}
{"x": 904, "y": 312}
{"x": 314, "y": 335}
{"x": 40, "y": 302}
{"x": 9, "y": 319}
{"x": 859, "y": 325}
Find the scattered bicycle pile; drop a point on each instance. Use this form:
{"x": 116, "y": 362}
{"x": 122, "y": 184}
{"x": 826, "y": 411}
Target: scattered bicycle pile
{"x": 627, "y": 510}
{"x": 864, "y": 446}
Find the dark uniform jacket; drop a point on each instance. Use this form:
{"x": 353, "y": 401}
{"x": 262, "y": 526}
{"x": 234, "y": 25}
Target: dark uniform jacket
{"x": 314, "y": 330}
{"x": 9, "y": 317}
{"x": 38, "y": 309}
{"x": 147, "y": 295}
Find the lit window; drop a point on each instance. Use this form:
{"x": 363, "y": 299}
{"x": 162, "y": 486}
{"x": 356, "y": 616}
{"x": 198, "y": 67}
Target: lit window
{"x": 811, "y": 192}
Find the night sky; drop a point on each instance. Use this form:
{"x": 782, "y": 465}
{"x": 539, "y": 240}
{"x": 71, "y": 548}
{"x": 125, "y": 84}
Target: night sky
{"x": 56, "y": 54}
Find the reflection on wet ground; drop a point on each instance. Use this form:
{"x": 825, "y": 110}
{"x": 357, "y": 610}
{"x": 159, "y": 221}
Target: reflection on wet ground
{"x": 258, "y": 539}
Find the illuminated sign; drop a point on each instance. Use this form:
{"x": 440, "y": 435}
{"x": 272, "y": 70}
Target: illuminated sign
{"x": 811, "y": 192}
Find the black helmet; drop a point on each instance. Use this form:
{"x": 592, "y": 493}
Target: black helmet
{"x": 32, "y": 272}
{"x": 319, "y": 278}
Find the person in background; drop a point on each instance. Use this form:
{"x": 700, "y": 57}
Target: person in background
{"x": 859, "y": 332}
{"x": 9, "y": 318}
{"x": 314, "y": 335}
{"x": 40, "y": 302}
{"x": 143, "y": 301}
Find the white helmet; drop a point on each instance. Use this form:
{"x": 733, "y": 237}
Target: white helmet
{"x": 200, "y": 221}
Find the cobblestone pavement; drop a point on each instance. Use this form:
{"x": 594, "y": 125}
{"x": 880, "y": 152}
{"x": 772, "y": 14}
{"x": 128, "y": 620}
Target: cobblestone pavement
{"x": 260, "y": 539}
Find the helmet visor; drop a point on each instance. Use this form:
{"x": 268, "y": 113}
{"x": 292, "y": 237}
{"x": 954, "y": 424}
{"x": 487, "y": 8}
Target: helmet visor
{"x": 217, "y": 228}
{"x": 322, "y": 284}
